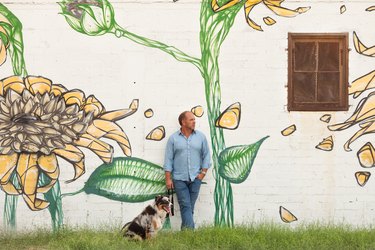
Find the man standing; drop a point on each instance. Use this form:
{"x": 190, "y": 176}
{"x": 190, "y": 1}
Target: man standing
{"x": 187, "y": 159}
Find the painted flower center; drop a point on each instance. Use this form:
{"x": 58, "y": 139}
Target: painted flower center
{"x": 38, "y": 123}
{"x": 24, "y": 118}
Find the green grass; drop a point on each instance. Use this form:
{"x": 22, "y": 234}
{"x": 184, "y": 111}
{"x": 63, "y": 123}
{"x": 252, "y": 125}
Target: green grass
{"x": 265, "y": 236}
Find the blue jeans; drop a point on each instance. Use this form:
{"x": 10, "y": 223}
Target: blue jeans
{"x": 187, "y": 194}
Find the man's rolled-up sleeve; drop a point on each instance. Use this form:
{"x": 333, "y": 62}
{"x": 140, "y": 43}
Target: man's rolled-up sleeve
{"x": 168, "y": 161}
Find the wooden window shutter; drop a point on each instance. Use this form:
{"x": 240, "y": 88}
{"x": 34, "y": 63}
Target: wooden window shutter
{"x": 317, "y": 72}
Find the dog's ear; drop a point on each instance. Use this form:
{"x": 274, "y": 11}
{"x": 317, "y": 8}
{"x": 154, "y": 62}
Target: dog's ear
{"x": 157, "y": 197}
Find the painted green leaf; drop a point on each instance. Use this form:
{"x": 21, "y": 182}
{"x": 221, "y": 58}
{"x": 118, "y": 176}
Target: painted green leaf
{"x": 235, "y": 162}
{"x": 127, "y": 179}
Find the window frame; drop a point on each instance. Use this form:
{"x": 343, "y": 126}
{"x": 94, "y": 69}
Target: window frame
{"x": 343, "y": 39}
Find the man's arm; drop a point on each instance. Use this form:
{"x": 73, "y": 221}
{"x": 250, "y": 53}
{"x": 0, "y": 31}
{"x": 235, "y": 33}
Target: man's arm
{"x": 206, "y": 159}
{"x": 168, "y": 163}
{"x": 168, "y": 180}
{"x": 206, "y": 156}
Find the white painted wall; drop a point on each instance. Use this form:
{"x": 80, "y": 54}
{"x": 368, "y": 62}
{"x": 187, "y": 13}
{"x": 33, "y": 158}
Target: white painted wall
{"x": 288, "y": 171}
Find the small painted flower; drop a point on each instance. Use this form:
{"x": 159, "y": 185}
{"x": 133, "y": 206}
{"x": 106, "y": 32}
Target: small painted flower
{"x": 91, "y": 17}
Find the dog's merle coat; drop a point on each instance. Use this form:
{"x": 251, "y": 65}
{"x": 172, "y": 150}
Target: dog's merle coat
{"x": 150, "y": 221}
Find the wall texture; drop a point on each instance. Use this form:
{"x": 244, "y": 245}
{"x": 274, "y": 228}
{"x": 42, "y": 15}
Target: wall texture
{"x": 121, "y": 51}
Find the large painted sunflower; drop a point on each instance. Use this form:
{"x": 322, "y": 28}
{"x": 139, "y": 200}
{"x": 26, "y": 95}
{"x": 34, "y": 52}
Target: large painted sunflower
{"x": 39, "y": 121}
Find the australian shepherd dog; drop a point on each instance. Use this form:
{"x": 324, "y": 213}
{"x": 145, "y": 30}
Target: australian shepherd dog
{"x": 150, "y": 221}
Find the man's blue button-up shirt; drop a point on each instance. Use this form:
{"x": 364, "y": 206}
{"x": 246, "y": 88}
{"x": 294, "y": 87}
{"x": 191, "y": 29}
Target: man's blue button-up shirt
{"x": 184, "y": 157}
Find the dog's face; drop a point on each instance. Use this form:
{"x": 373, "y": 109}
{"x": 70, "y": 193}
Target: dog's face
{"x": 162, "y": 202}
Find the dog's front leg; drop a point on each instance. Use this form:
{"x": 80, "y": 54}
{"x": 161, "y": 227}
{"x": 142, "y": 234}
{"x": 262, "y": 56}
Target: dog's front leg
{"x": 149, "y": 229}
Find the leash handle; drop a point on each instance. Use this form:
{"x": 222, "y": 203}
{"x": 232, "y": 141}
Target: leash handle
{"x": 170, "y": 194}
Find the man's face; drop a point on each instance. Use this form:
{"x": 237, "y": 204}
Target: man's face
{"x": 189, "y": 121}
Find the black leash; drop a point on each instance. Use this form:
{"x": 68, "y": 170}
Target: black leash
{"x": 170, "y": 194}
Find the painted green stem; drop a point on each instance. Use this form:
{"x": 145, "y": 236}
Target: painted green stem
{"x": 214, "y": 29}
{"x": 176, "y": 53}
{"x": 10, "y": 206}
{"x": 55, "y": 203}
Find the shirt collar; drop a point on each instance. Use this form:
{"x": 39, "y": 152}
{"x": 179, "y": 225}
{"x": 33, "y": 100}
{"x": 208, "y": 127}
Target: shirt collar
{"x": 180, "y": 133}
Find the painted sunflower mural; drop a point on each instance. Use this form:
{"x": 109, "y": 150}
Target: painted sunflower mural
{"x": 40, "y": 121}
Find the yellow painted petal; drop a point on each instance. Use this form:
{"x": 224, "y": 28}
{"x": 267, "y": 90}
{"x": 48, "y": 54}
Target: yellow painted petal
{"x": 358, "y": 45}
{"x": 149, "y": 113}
{"x": 286, "y": 216}
{"x": 93, "y": 105}
{"x": 74, "y": 96}
{"x": 269, "y": 20}
{"x": 326, "y": 144}
{"x": 253, "y": 24}
{"x": 47, "y": 187}
{"x": 134, "y": 105}
{"x": 275, "y": 2}
{"x": 121, "y": 113}
{"x": 230, "y": 118}
{"x": 9, "y": 188}
{"x": 370, "y": 128}
{"x": 107, "y": 129}
{"x": 342, "y": 9}
{"x": 364, "y": 110}
{"x": 214, "y": 5}
{"x": 362, "y": 177}
{"x": 362, "y": 83}
{"x": 361, "y": 48}
{"x": 28, "y": 173}
{"x": 38, "y": 84}
{"x": 1, "y": 88}
{"x": 48, "y": 164}
{"x": 289, "y": 130}
{"x": 285, "y": 12}
{"x": 371, "y": 8}
{"x": 217, "y": 8}
{"x": 250, "y": 22}
{"x": 3, "y": 52}
{"x": 58, "y": 89}
{"x": 102, "y": 149}
{"x": 75, "y": 156}
{"x": 367, "y": 123}
{"x": 15, "y": 83}
{"x": 366, "y": 155}
{"x": 34, "y": 203}
{"x": 198, "y": 111}
{"x": 157, "y": 134}
{"x": 7, "y": 165}
{"x": 325, "y": 118}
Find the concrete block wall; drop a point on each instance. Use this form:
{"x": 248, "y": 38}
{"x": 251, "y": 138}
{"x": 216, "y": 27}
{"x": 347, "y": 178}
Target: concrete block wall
{"x": 288, "y": 171}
